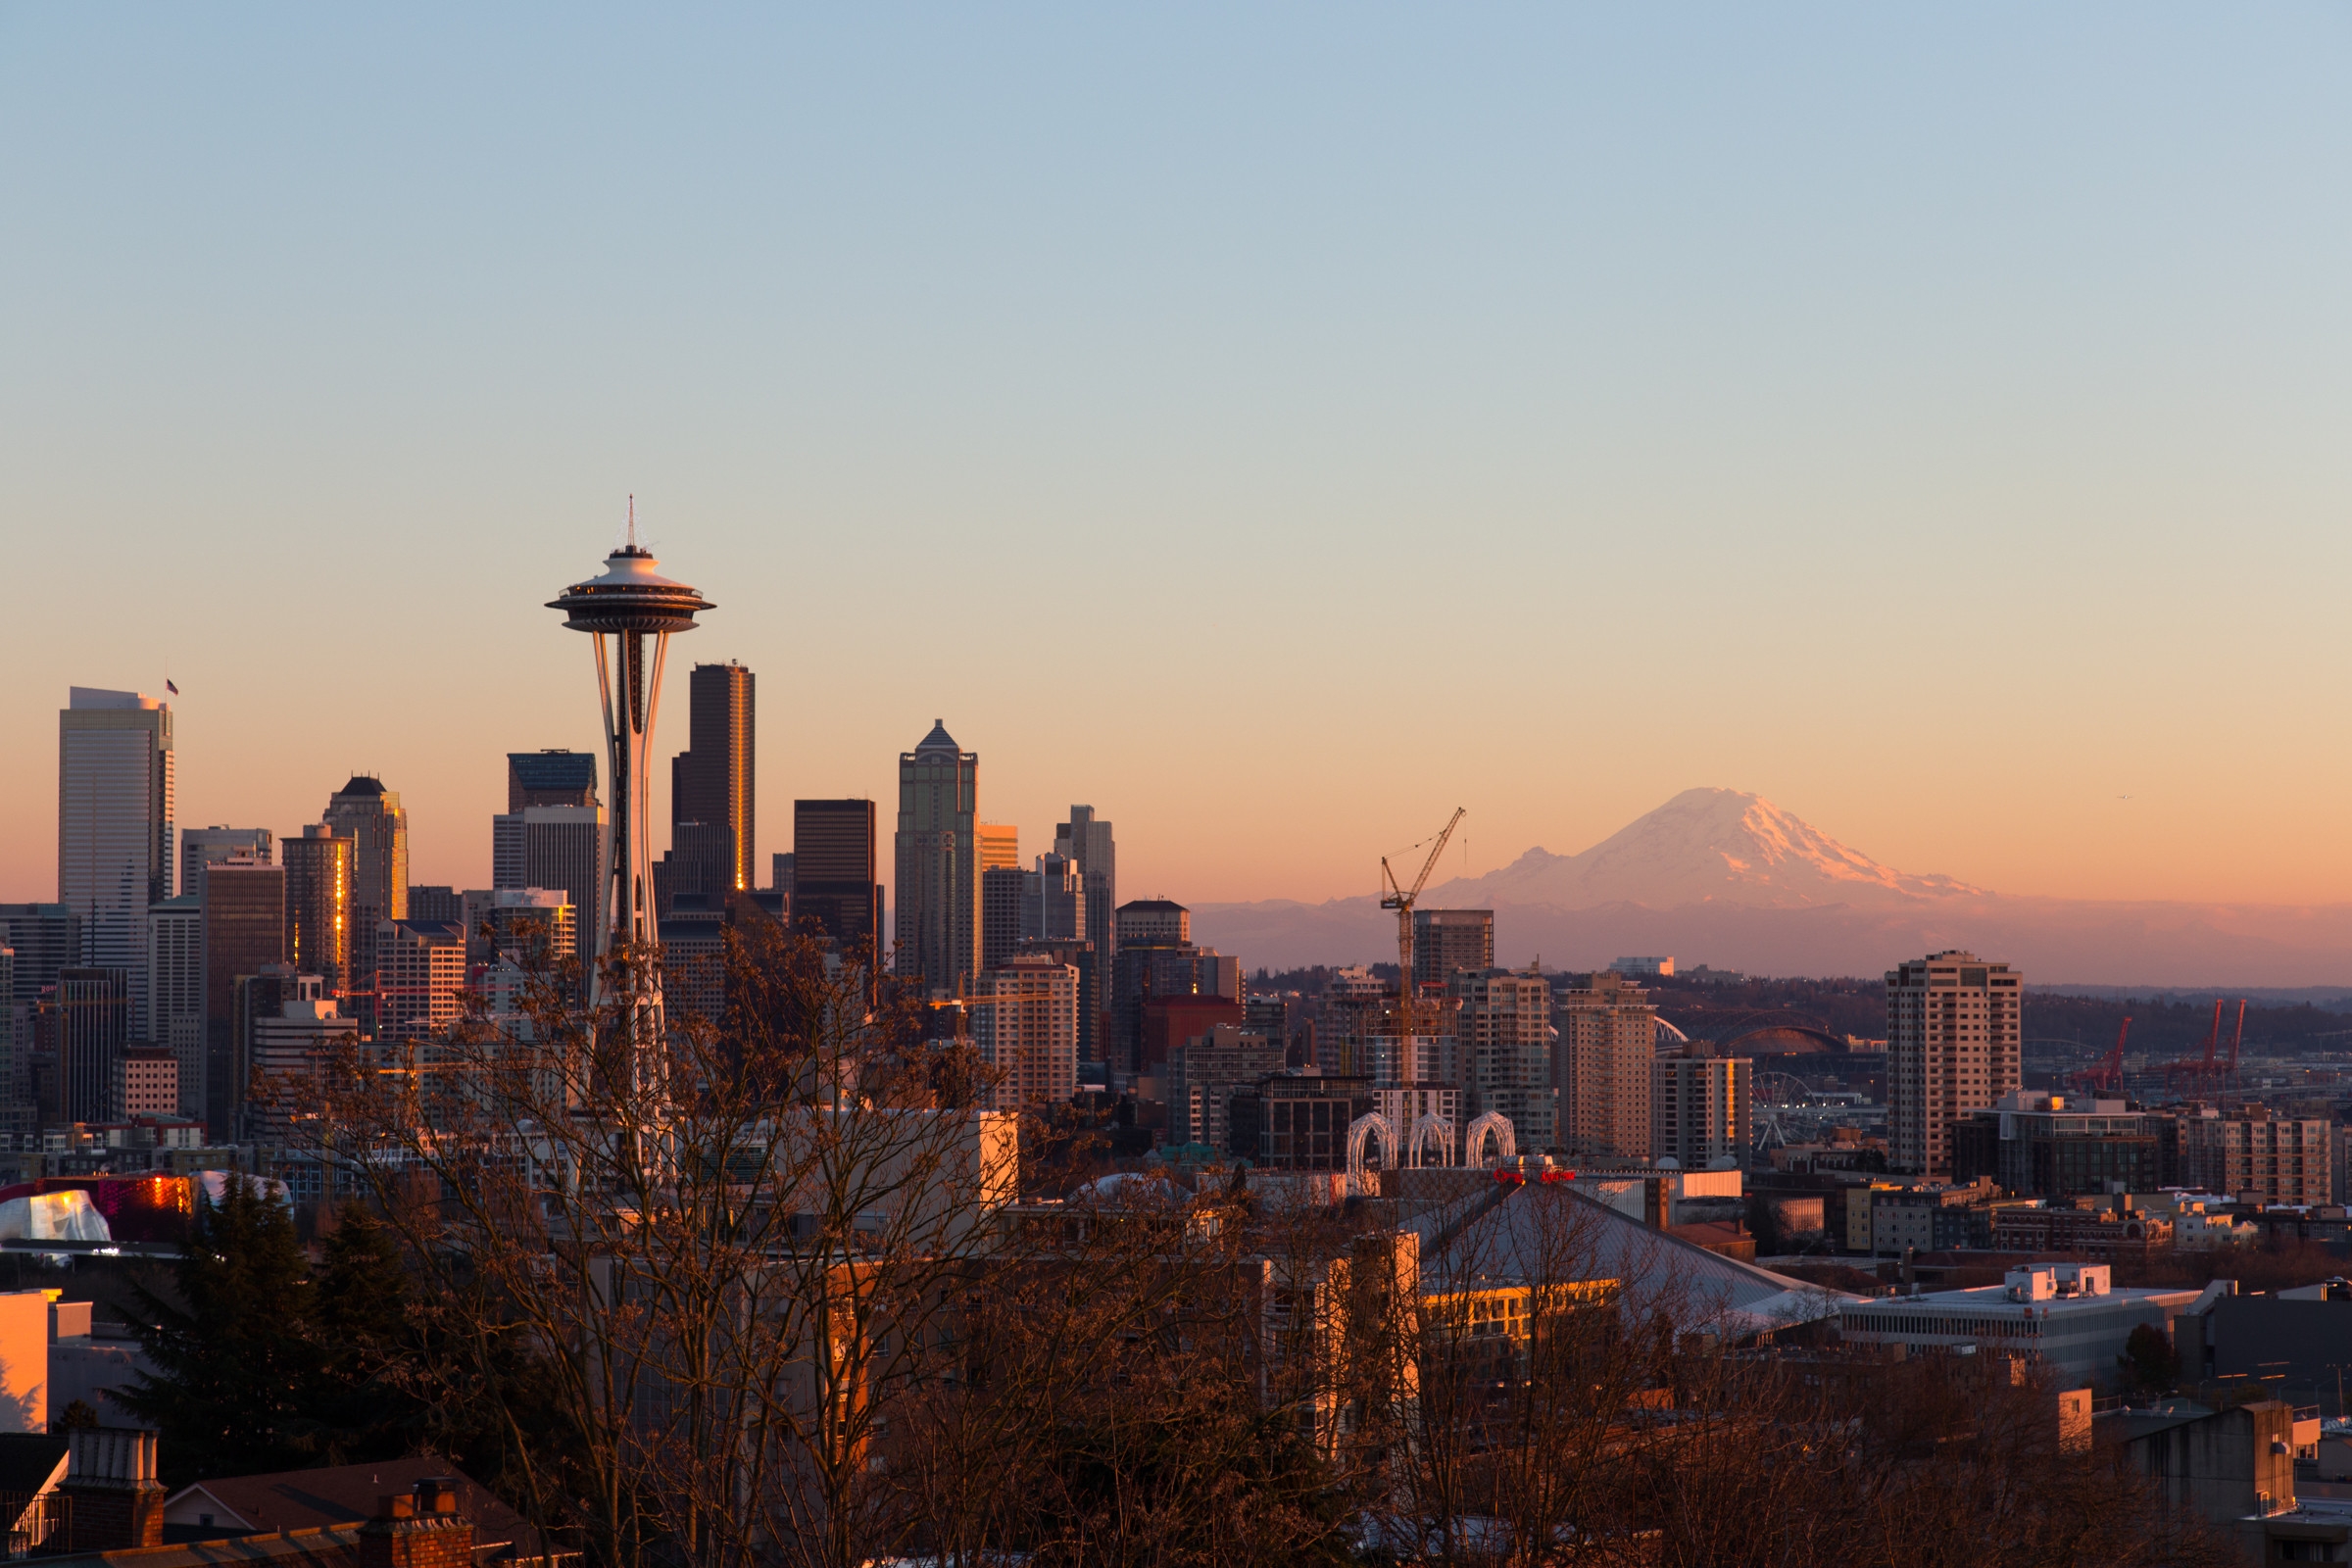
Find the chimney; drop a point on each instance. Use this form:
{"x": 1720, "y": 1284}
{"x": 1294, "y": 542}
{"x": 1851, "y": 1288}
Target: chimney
{"x": 421, "y": 1529}
{"x": 110, "y": 1479}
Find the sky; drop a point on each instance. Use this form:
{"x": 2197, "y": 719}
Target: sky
{"x": 1274, "y": 426}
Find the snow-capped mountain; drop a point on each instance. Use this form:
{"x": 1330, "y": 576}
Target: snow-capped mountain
{"x": 1728, "y": 879}
{"x": 1705, "y": 846}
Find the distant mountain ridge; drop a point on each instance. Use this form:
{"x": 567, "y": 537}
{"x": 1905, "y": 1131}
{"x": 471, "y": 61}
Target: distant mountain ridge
{"x": 1725, "y": 878}
{"x": 1705, "y": 846}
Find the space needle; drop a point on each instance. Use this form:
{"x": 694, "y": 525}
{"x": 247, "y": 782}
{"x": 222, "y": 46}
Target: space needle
{"x": 620, "y": 609}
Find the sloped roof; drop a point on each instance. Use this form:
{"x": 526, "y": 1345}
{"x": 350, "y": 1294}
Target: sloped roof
{"x": 939, "y": 739}
{"x": 304, "y": 1499}
{"x": 362, "y": 784}
{"x": 1540, "y": 1234}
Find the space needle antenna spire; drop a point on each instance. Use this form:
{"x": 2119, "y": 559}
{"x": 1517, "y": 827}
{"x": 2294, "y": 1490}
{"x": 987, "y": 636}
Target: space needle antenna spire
{"x": 623, "y": 608}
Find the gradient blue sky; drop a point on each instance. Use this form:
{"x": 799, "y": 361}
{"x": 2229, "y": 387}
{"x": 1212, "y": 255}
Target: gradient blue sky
{"x": 1272, "y": 426}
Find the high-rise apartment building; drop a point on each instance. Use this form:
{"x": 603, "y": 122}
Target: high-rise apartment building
{"x": 1502, "y": 1051}
{"x": 1000, "y": 847}
{"x": 93, "y": 1029}
{"x": 1446, "y": 940}
{"x": 1087, "y": 845}
{"x": 244, "y": 931}
{"x": 116, "y": 790}
{"x": 1609, "y": 1037}
{"x": 1954, "y": 1045}
{"x": 712, "y": 781}
{"x": 832, "y": 877}
{"x": 176, "y": 992}
{"x": 318, "y": 881}
{"x": 1699, "y": 1109}
{"x": 1027, "y": 1029}
{"x": 200, "y": 846}
{"x": 371, "y": 817}
{"x": 551, "y": 777}
{"x": 938, "y": 914}
{"x": 46, "y": 937}
{"x": 556, "y": 847}
{"x": 420, "y": 976}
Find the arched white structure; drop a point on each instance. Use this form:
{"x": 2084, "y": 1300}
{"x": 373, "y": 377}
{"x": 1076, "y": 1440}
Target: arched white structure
{"x": 1372, "y": 1122}
{"x": 1429, "y": 1125}
{"x": 1496, "y": 1126}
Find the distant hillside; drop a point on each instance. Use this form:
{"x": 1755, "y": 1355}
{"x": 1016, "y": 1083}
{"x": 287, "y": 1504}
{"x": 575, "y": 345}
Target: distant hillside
{"x": 1728, "y": 879}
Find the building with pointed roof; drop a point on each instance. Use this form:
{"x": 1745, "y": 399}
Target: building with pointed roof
{"x": 938, "y": 917}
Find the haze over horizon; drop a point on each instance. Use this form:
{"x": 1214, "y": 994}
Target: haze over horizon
{"x": 1273, "y": 432}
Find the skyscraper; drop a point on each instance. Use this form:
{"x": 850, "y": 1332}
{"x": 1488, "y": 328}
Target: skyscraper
{"x": 1087, "y": 844}
{"x": 1000, "y": 847}
{"x": 551, "y": 777}
{"x": 938, "y": 862}
{"x": 1158, "y": 962}
{"x": 832, "y": 869}
{"x": 712, "y": 781}
{"x": 1954, "y": 1034}
{"x": 46, "y": 937}
{"x": 244, "y": 929}
{"x": 1004, "y": 892}
{"x": 1608, "y": 1039}
{"x": 115, "y": 801}
{"x": 369, "y": 814}
{"x": 1446, "y": 940}
{"x": 560, "y": 846}
{"x": 200, "y": 846}
{"x": 93, "y": 1028}
{"x": 174, "y": 1018}
{"x": 319, "y": 888}
{"x": 1047, "y": 904}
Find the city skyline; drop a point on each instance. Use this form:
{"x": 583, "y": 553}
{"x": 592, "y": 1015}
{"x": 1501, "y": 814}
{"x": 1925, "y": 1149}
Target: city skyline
{"x": 1556, "y": 340}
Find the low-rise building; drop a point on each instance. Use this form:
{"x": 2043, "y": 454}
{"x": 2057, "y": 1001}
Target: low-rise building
{"x": 2116, "y": 1231}
{"x": 2066, "y": 1316}
{"x": 1930, "y": 1217}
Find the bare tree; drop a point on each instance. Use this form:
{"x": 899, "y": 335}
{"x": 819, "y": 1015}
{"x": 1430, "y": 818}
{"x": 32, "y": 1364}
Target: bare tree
{"x": 729, "y": 1241}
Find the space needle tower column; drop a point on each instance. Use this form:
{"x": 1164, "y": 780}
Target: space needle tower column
{"x": 621, "y": 609}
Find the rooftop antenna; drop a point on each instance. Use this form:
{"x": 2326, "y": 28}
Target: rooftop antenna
{"x": 632, "y": 521}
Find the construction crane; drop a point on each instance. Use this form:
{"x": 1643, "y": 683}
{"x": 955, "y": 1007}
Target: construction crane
{"x": 1398, "y": 899}
{"x": 2107, "y": 1073}
{"x": 2205, "y": 1069}
{"x": 2236, "y": 1038}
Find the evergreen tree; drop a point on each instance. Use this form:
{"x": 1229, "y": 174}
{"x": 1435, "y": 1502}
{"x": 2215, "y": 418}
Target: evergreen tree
{"x": 236, "y": 1367}
{"x": 367, "y": 1401}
